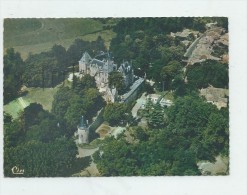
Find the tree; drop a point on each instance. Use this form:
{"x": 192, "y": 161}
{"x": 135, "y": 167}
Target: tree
{"x": 39, "y": 159}
{"x": 80, "y": 85}
{"x": 13, "y": 71}
{"x": 189, "y": 115}
{"x": 61, "y": 102}
{"x": 92, "y": 102}
{"x": 216, "y": 134}
{"x": 43, "y": 70}
{"x": 97, "y": 46}
{"x": 170, "y": 71}
{"x": 139, "y": 133}
{"x": 201, "y": 124}
{"x": 115, "y": 159}
{"x": 59, "y": 52}
{"x": 74, "y": 113}
{"x": 178, "y": 85}
{"x": 116, "y": 80}
{"x": 88, "y": 81}
{"x": 148, "y": 88}
{"x": 156, "y": 117}
{"x": 75, "y": 51}
{"x": 207, "y": 73}
{"x": 13, "y": 134}
{"x": 70, "y": 104}
{"x": 7, "y": 117}
{"x": 154, "y": 155}
{"x": 46, "y": 131}
{"x": 116, "y": 113}
{"x": 184, "y": 164}
{"x": 30, "y": 115}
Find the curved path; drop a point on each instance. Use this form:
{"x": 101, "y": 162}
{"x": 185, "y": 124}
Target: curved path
{"x": 141, "y": 101}
{"x": 83, "y": 152}
{"x": 91, "y": 170}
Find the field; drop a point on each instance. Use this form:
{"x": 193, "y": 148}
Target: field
{"x": 38, "y": 95}
{"x": 43, "y": 97}
{"x": 13, "y": 108}
{"x": 38, "y": 35}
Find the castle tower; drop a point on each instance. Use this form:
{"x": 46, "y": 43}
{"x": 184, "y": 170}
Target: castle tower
{"x": 84, "y": 63}
{"x": 83, "y": 131}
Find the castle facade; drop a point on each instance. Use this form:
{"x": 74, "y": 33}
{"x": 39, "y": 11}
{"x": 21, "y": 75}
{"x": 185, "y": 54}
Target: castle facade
{"x": 102, "y": 65}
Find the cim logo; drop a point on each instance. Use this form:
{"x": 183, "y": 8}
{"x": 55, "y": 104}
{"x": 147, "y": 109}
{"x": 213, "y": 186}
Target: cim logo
{"x": 17, "y": 171}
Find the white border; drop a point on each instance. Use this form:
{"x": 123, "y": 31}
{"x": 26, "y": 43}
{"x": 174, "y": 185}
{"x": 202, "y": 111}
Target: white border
{"x": 235, "y": 184}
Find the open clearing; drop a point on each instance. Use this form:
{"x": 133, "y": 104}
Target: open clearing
{"x": 219, "y": 167}
{"x": 39, "y": 35}
{"x": 44, "y": 97}
{"x": 19, "y": 32}
{"x": 14, "y": 107}
{"x": 38, "y": 95}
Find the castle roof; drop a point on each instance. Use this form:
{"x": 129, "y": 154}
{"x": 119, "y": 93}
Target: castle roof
{"x": 104, "y": 55}
{"x": 86, "y": 57}
{"x": 97, "y": 62}
{"x": 125, "y": 67}
{"x": 83, "y": 123}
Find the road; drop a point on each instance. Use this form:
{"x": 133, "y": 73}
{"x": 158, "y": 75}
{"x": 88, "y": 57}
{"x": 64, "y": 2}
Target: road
{"x": 139, "y": 103}
{"x": 91, "y": 170}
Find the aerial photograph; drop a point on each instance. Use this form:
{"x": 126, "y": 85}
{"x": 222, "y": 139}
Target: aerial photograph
{"x": 109, "y": 97}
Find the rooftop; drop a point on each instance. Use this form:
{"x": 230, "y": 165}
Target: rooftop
{"x": 83, "y": 123}
{"x": 85, "y": 57}
{"x": 133, "y": 87}
{"x": 97, "y": 62}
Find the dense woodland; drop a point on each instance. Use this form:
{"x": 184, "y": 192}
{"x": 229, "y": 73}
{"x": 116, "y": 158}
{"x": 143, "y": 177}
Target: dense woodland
{"x": 13, "y": 71}
{"x": 45, "y": 139}
{"x": 175, "y": 139}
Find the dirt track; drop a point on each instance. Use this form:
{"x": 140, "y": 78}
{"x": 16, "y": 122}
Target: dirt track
{"x": 86, "y": 152}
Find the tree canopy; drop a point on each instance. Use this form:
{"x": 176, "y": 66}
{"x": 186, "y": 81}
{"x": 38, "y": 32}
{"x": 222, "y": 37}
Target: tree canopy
{"x": 82, "y": 99}
{"x": 210, "y": 72}
{"x": 13, "y": 71}
{"x": 45, "y": 69}
{"x": 116, "y": 80}
{"x": 39, "y": 159}
{"x": 36, "y": 143}
{"x": 116, "y": 113}
{"x": 195, "y": 131}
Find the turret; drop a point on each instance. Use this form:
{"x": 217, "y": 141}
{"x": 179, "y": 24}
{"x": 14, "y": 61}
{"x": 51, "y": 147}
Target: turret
{"x": 83, "y": 131}
{"x": 84, "y": 63}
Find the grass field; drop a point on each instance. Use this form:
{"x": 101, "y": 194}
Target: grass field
{"x": 45, "y": 98}
{"x": 14, "y": 107}
{"x": 38, "y": 35}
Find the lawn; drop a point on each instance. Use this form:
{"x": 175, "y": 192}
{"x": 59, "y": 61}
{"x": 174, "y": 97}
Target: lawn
{"x": 24, "y": 50}
{"x": 37, "y": 95}
{"x": 19, "y": 32}
{"x": 14, "y": 107}
{"x": 43, "y": 97}
{"x": 38, "y": 35}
